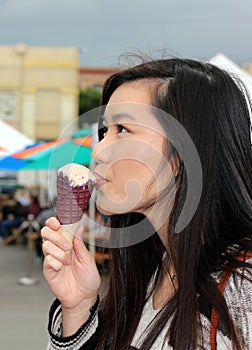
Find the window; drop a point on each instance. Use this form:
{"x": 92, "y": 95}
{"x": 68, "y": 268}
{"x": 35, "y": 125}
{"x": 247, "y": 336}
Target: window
{"x": 8, "y": 102}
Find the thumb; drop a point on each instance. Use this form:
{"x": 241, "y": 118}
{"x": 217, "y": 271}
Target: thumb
{"x": 79, "y": 247}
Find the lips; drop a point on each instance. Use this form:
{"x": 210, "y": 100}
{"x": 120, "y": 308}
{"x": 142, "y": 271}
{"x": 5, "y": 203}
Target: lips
{"x": 100, "y": 181}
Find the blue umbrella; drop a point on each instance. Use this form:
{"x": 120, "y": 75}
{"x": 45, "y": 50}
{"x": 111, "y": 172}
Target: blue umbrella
{"x": 12, "y": 164}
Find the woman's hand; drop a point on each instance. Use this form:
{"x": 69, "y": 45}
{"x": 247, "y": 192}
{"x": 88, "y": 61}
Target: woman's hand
{"x": 70, "y": 269}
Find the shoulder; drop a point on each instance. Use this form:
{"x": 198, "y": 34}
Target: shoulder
{"x": 238, "y": 296}
{"x": 239, "y": 286}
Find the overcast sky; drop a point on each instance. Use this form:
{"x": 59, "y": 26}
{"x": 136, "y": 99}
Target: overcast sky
{"x": 105, "y": 29}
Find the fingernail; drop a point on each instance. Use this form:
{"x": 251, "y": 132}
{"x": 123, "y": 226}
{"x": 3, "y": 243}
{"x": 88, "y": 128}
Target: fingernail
{"x": 55, "y": 225}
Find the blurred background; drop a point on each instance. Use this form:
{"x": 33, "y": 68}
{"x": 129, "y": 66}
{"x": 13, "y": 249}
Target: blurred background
{"x": 54, "y": 59}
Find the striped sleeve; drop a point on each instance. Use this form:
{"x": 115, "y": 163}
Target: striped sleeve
{"x": 85, "y": 338}
{"x": 238, "y": 295}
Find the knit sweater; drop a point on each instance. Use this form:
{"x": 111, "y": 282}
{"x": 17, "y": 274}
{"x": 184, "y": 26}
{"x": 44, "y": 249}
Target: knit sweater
{"x": 238, "y": 296}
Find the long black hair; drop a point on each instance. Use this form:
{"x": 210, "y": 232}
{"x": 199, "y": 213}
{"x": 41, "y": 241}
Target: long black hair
{"x": 214, "y": 110}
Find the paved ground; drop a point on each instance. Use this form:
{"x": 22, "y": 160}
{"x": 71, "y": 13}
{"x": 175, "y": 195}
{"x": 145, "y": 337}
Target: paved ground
{"x": 23, "y": 309}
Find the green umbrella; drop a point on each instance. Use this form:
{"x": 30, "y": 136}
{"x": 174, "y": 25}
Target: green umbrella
{"x": 81, "y": 133}
{"x": 64, "y": 153}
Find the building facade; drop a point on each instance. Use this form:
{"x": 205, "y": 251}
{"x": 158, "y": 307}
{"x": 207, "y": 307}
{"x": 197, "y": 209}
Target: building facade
{"x": 39, "y": 89}
{"x": 95, "y": 77}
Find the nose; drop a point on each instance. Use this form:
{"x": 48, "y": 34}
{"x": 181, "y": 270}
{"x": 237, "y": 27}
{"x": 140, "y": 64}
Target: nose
{"x": 102, "y": 152}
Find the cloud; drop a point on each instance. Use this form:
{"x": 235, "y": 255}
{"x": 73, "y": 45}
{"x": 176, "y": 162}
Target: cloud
{"x": 111, "y": 27}
{"x": 45, "y": 9}
{"x": 122, "y": 13}
{"x": 15, "y": 8}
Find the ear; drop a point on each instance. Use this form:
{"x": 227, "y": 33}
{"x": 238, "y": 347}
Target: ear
{"x": 174, "y": 160}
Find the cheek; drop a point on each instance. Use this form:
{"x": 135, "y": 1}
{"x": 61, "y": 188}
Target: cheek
{"x": 134, "y": 170}
{"x": 149, "y": 159}
{"x": 134, "y": 176}
{"x": 134, "y": 167}
{"x": 129, "y": 171}
{"x": 127, "y": 189}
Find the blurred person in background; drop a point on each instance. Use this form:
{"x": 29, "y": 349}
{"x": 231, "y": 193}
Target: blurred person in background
{"x": 33, "y": 207}
{"x": 14, "y": 213}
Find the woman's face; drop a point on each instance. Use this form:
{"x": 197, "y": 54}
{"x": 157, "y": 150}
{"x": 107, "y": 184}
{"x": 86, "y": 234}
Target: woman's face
{"x": 130, "y": 155}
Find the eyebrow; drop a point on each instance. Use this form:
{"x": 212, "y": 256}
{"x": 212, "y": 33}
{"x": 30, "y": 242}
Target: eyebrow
{"x": 118, "y": 116}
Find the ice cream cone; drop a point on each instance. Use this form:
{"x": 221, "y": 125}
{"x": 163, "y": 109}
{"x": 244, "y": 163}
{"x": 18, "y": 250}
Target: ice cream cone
{"x": 74, "y": 188}
{"x": 69, "y": 230}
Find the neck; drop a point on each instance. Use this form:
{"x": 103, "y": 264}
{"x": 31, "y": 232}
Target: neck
{"x": 166, "y": 285}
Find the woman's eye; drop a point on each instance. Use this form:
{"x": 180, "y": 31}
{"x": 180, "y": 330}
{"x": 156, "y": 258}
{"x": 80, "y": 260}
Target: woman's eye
{"x": 121, "y": 128}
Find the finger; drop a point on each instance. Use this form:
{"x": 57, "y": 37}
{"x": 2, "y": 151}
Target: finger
{"x": 51, "y": 263}
{"x": 51, "y": 249}
{"x": 79, "y": 247}
{"x": 56, "y": 238}
{"x": 53, "y": 223}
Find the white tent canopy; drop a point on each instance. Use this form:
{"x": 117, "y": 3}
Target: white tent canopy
{"x": 221, "y": 61}
{"x": 11, "y": 140}
{"x": 224, "y": 62}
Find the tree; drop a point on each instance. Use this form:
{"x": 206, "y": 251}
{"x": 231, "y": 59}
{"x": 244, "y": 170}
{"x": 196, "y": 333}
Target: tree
{"x": 89, "y": 99}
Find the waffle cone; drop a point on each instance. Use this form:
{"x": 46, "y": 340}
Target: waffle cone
{"x": 68, "y": 231}
{"x": 72, "y": 201}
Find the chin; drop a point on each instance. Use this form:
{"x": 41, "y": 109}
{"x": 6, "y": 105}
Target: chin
{"x": 103, "y": 211}
{"x": 112, "y": 209}
{"x": 116, "y": 206}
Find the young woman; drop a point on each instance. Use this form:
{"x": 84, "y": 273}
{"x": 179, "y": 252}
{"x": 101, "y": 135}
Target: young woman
{"x": 174, "y": 131}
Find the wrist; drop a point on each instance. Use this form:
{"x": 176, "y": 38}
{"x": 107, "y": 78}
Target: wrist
{"x": 84, "y": 304}
{"x": 75, "y": 317}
